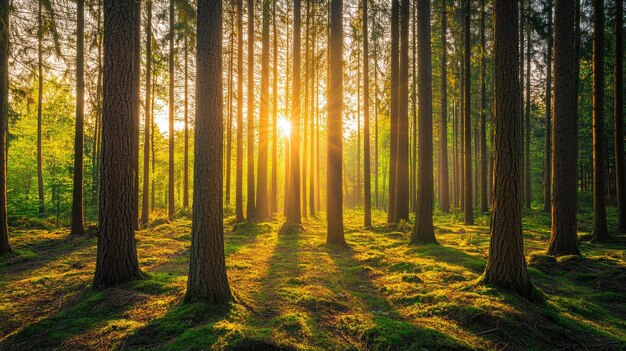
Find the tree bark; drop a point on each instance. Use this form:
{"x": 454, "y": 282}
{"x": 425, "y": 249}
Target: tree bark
{"x": 564, "y": 238}
{"x": 145, "y": 210}
{"x": 367, "y": 192}
{"x": 527, "y": 175}
{"x": 5, "y": 248}
{"x": 42, "y": 209}
{"x": 77, "y": 194}
{"x": 547, "y": 171}
{"x": 116, "y": 260}
{"x": 294, "y": 209}
{"x": 239, "y": 171}
{"x": 484, "y": 203}
{"x": 186, "y": 119}
{"x": 262, "y": 201}
{"x": 467, "y": 117}
{"x": 618, "y": 92}
{"x": 401, "y": 211}
{"x": 444, "y": 198}
{"x": 250, "y": 205}
{"x": 274, "y": 193}
{"x": 393, "y": 107}
{"x": 170, "y": 192}
{"x": 207, "y": 267}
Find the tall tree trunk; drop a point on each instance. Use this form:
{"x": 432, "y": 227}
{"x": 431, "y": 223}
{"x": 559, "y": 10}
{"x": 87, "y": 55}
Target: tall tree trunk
{"x": 116, "y": 260}
{"x": 393, "y": 107}
{"x": 250, "y": 206}
{"x": 506, "y": 266}
{"x": 77, "y": 194}
{"x": 527, "y": 175}
{"x": 95, "y": 154}
{"x": 136, "y": 113}
{"x": 423, "y": 232}
{"x": 229, "y": 124}
{"x": 618, "y": 113}
{"x": 357, "y": 183}
{"x": 274, "y": 193}
{"x": 186, "y": 118}
{"x": 207, "y": 267}
{"x": 444, "y": 198}
{"x": 4, "y": 117}
{"x": 40, "y": 111}
{"x": 564, "y": 238}
{"x": 547, "y": 168}
{"x": 171, "y": 180}
{"x": 152, "y": 201}
{"x": 484, "y": 204}
{"x": 600, "y": 231}
{"x": 367, "y": 196}
{"x": 307, "y": 66}
{"x": 521, "y": 90}
{"x": 313, "y": 114}
{"x": 262, "y": 201}
{"x": 334, "y": 128}
{"x": 294, "y": 209}
{"x": 467, "y": 116}
{"x": 145, "y": 211}
{"x": 401, "y": 211}
{"x": 376, "y": 108}
{"x": 239, "y": 171}
{"x": 413, "y": 174}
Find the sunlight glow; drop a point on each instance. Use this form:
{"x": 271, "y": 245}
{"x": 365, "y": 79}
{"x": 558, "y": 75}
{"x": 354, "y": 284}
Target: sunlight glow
{"x": 284, "y": 126}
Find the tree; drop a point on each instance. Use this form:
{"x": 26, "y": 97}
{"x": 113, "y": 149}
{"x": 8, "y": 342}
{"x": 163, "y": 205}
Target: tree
{"x": 563, "y": 239}
{"x": 207, "y": 267}
{"x": 444, "y": 198}
{"x": 250, "y": 208}
{"x": 186, "y": 116}
{"x": 262, "y": 201}
{"x": 145, "y": 212}
{"x": 116, "y": 261}
{"x": 294, "y": 209}
{"x": 274, "y": 193}
{"x": 484, "y": 204}
{"x": 334, "y": 127}
{"x": 423, "y": 232}
{"x": 136, "y": 107}
{"x": 367, "y": 192}
{"x": 506, "y": 266}
{"x": 393, "y": 108}
{"x": 40, "y": 110}
{"x": 467, "y": 116}
{"x": 4, "y": 116}
{"x": 547, "y": 168}
{"x": 618, "y": 92}
{"x": 77, "y": 194}
{"x": 401, "y": 211}
{"x": 600, "y": 231}
{"x": 239, "y": 171}
{"x": 527, "y": 178}
{"x": 170, "y": 188}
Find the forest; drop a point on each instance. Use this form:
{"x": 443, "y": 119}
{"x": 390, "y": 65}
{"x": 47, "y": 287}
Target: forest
{"x": 300, "y": 175}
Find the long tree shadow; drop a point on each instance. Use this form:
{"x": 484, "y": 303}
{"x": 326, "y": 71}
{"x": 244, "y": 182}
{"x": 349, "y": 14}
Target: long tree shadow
{"x": 450, "y": 255}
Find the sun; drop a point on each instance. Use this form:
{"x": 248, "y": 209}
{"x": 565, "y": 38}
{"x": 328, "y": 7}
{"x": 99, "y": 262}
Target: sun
{"x": 284, "y": 126}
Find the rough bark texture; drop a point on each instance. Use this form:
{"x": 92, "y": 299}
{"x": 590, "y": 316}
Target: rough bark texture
{"x": 334, "y": 194}
{"x": 393, "y": 107}
{"x": 467, "y": 118}
{"x": 250, "y": 205}
{"x": 563, "y": 240}
{"x": 547, "y": 171}
{"x": 294, "y": 208}
{"x": 484, "y": 203}
{"x": 239, "y": 171}
{"x": 527, "y": 177}
{"x": 506, "y": 266}
{"x": 367, "y": 190}
{"x": 401, "y": 211}
{"x": 145, "y": 210}
{"x": 207, "y": 266}
{"x": 77, "y": 193}
{"x": 618, "y": 92}
{"x": 186, "y": 121}
{"x": 262, "y": 200}
{"x": 444, "y": 197}
{"x": 274, "y": 192}
{"x": 116, "y": 260}
{"x": 170, "y": 188}
{"x": 42, "y": 209}
{"x": 423, "y": 231}
{"x": 600, "y": 231}
{"x": 136, "y": 109}
{"x": 4, "y": 115}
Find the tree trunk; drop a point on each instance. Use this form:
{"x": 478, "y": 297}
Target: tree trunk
{"x": 393, "y": 107}
{"x": 145, "y": 211}
{"x": 239, "y": 172}
{"x": 618, "y": 113}
{"x": 444, "y": 198}
{"x": 334, "y": 129}
{"x": 467, "y": 117}
{"x": 262, "y": 201}
{"x": 4, "y": 117}
{"x": 367, "y": 196}
{"x": 274, "y": 193}
{"x": 564, "y": 238}
{"x": 600, "y": 231}
{"x": 547, "y": 171}
{"x": 250, "y": 205}
{"x": 527, "y": 175}
{"x": 423, "y": 232}
{"x": 116, "y": 260}
{"x": 186, "y": 118}
{"x": 484, "y": 203}
{"x": 229, "y": 124}
{"x": 506, "y": 266}
{"x": 42, "y": 209}
{"x": 171, "y": 180}
{"x": 376, "y": 107}
{"x": 77, "y": 194}
{"x": 207, "y": 268}
{"x": 401, "y": 211}
{"x": 313, "y": 114}
{"x": 294, "y": 209}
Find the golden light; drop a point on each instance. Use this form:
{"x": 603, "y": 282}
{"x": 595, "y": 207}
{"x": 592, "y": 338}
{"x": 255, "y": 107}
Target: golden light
{"x": 284, "y": 126}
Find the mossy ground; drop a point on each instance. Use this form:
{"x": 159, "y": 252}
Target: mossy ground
{"x": 295, "y": 293}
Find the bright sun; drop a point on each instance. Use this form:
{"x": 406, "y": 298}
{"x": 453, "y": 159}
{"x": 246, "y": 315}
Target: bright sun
{"x": 285, "y": 126}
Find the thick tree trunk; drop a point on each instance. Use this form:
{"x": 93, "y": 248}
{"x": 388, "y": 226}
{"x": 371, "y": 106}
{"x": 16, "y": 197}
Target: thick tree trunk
{"x": 145, "y": 210}
{"x": 116, "y": 260}
{"x": 170, "y": 178}
{"x": 137, "y": 109}
{"x": 262, "y": 201}
{"x": 239, "y": 171}
{"x": 367, "y": 192}
{"x": 401, "y": 211}
{"x": 423, "y": 232}
{"x": 294, "y": 209}
{"x": 564, "y": 238}
{"x": 77, "y": 194}
{"x": 506, "y": 266}
{"x": 230, "y": 98}
{"x": 334, "y": 128}
{"x": 313, "y": 114}
{"x": 307, "y": 68}
{"x": 484, "y": 203}
{"x": 42, "y": 209}
{"x": 547, "y": 171}
{"x": 600, "y": 231}
{"x": 4, "y": 116}
{"x": 274, "y": 193}
{"x": 207, "y": 267}
{"x": 393, "y": 107}
{"x": 467, "y": 117}
{"x": 250, "y": 205}
{"x": 444, "y": 192}
{"x": 527, "y": 175}
{"x": 618, "y": 92}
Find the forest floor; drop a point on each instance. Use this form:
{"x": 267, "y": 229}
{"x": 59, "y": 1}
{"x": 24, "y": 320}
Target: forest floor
{"x": 296, "y": 293}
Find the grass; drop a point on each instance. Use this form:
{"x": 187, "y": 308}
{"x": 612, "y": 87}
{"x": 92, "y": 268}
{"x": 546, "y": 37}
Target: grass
{"x": 296, "y": 293}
